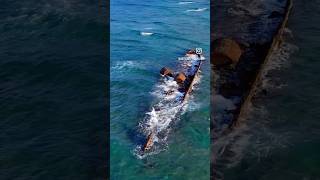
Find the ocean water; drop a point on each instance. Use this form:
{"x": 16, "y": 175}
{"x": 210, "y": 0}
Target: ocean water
{"x": 146, "y": 36}
{"x": 52, "y": 91}
{"x": 280, "y": 138}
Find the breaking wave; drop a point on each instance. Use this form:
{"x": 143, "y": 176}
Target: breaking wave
{"x": 185, "y": 2}
{"x": 230, "y": 149}
{"x": 161, "y": 115}
{"x": 146, "y": 33}
{"x": 196, "y": 10}
{"x": 278, "y": 60}
{"x": 125, "y": 65}
{"x": 164, "y": 113}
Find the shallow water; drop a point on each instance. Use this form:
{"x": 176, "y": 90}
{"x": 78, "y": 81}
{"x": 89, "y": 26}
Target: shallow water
{"x": 146, "y": 36}
{"x": 280, "y": 138}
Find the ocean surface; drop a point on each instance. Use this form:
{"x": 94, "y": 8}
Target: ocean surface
{"x": 53, "y": 90}
{"x": 280, "y": 138}
{"x": 146, "y": 36}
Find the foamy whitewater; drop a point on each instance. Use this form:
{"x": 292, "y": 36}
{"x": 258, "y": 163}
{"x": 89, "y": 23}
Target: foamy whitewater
{"x": 185, "y": 2}
{"x": 146, "y": 33}
{"x": 196, "y": 10}
{"x": 238, "y": 140}
{"x": 167, "y": 109}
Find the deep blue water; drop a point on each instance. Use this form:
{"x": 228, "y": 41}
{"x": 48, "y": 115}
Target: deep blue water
{"x": 145, "y": 36}
{"x": 53, "y": 90}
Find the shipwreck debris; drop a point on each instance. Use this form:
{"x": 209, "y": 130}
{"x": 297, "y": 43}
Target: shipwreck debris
{"x": 226, "y": 51}
{"x": 186, "y": 80}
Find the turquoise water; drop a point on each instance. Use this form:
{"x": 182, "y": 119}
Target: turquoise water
{"x": 280, "y": 139}
{"x": 145, "y": 36}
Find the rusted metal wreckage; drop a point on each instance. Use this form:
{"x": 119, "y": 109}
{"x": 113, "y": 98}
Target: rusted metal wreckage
{"x": 185, "y": 80}
{"x": 239, "y": 68}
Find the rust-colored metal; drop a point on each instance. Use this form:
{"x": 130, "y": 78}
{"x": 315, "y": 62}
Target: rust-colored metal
{"x": 225, "y": 51}
{"x": 180, "y": 77}
{"x": 166, "y": 72}
{"x": 149, "y": 141}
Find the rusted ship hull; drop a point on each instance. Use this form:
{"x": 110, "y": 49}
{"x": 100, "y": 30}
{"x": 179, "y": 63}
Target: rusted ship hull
{"x": 187, "y": 89}
{"x": 240, "y": 82}
{"x": 276, "y": 42}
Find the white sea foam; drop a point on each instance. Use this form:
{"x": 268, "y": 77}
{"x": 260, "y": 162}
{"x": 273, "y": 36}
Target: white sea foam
{"x": 185, "y": 2}
{"x": 146, "y": 33}
{"x": 280, "y": 56}
{"x": 163, "y": 114}
{"x": 195, "y": 57}
{"x": 140, "y": 155}
{"x": 120, "y": 65}
{"x": 255, "y": 131}
{"x": 196, "y": 10}
{"x": 278, "y": 60}
{"x": 193, "y": 106}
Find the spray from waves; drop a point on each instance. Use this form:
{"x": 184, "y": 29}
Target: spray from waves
{"x": 228, "y": 150}
{"x": 163, "y": 114}
{"x": 251, "y": 139}
{"x": 278, "y": 60}
{"x": 185, "y": 2}
{"x": 231, "y": 148}
{"x": 196, "y": 10}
